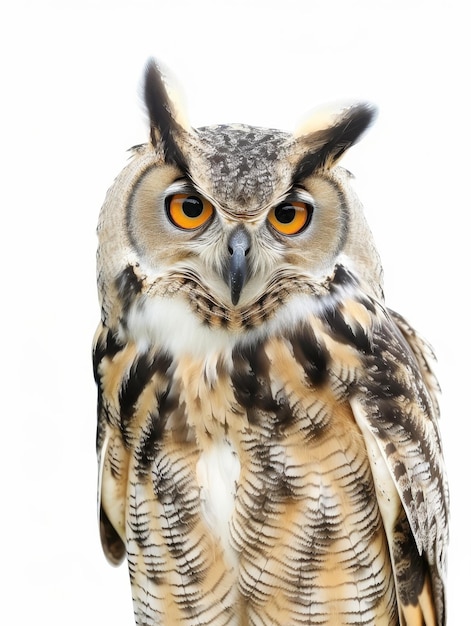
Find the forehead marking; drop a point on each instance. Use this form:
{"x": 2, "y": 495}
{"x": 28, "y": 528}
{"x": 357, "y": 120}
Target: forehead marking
{"x": 245, "y": 164}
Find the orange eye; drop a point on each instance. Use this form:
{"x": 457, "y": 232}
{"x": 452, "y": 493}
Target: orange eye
{"x": 189, "y": 211}
{"x": 289, "y": 218}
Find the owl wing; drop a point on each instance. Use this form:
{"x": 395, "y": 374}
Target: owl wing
{"x": 113, "y": 457}
{"x": 395, "y": 406}
{"x": 424, "y": 354}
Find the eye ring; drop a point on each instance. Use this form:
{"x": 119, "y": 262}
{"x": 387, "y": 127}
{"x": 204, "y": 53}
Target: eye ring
{"x": 188, "y": 211}
{"x": 290, "y": 217}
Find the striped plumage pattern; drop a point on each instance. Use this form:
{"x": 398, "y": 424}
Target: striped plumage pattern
{"x": 276, "y": 462}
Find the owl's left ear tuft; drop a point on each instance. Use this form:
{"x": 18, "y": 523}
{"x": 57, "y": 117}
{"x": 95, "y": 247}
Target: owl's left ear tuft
{"x": 167, "y": 121}
{"x": 324, "y": 138}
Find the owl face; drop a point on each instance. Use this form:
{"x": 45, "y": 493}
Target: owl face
{"x": 234, "y": 222}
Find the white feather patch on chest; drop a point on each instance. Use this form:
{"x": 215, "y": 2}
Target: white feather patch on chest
{"x": 217, "y": 473}
{"x": 169, "y": 323}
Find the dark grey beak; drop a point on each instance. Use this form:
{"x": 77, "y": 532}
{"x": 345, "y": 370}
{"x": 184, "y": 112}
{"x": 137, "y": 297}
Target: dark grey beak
{"x": 238, "y": 246}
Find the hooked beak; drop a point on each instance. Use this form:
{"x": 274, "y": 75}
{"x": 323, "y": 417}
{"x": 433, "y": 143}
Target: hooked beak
{"x": 238, "y": 247}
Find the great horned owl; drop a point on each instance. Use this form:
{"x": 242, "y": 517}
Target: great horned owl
{"x": 267, "y": 429}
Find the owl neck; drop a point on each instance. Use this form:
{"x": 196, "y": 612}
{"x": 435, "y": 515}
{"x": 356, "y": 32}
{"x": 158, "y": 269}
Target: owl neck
{"x": 186, "y": 321}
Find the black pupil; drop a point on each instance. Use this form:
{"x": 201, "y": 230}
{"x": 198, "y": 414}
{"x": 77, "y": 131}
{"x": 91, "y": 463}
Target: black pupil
{"x": 285, "y": 213}
{"x": 192, "y": 206}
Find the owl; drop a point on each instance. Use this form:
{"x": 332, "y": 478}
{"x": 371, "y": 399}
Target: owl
{"x": 268, "y": 441}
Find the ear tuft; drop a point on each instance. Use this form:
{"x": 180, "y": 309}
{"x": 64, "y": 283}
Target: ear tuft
{"x": 325, "y": 137}
{"x": 167, "y": 121}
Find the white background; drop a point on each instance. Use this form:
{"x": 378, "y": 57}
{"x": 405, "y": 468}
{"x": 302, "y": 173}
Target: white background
{"x": 71, "y": 106}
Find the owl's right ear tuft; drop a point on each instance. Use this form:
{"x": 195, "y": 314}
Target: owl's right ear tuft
{"x": 167, "y": 121}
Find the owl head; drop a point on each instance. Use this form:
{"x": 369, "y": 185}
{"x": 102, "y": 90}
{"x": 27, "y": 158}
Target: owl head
{"x": 231, "y": 225}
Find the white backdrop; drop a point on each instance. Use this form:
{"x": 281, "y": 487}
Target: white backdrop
{"x": 71, "y": 107}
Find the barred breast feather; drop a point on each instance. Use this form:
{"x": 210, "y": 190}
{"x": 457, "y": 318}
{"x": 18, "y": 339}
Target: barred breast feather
{"x": 293, "y": 478}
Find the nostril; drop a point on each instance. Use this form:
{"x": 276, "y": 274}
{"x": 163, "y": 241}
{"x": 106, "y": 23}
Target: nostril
{"x": 238, "y": 243}
{"x": 231, "y": 250}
